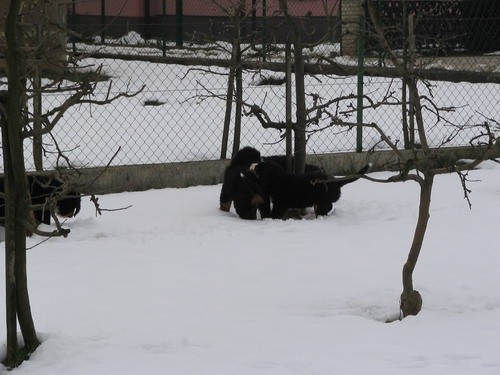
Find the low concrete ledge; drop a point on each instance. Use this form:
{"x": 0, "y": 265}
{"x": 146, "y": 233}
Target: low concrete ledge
{"x": 152, "y": 176}
{"x": 180, "y": 175}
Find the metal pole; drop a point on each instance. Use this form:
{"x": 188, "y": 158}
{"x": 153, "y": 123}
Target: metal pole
{"x": 404, "y": 98}
{"x": 361, "y": 72}
{"x": 288, "y": 109}
{"x": 164, "y": 27}
{"x": 103, "y": 20}
{"x": 147, "y": 20}
{"x": 254, "y": 20}
{"x": 178, "y": 23}
{"x": 73, "y": 24}
{"x": 264, "y": 28}
{"x": 37, "y": 108}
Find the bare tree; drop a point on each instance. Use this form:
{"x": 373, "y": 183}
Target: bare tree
{"x": 423, "y": 165}
{"x": 17, "y": 124}
{"x": 302, "y": 118}
{"x": 238, "y": 13}
{"x": 16, "y": 194}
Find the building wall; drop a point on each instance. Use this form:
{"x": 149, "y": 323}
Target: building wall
{"x": 208, "y": 8}
{"x": 200, "y": 17}
{"x": 122, "y": 8}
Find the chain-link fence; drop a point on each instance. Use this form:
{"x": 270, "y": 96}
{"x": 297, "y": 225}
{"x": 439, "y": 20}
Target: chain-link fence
{"x": 179, "y": 116}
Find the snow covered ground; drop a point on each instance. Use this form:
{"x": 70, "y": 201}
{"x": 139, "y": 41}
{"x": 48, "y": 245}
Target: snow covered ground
{"x": 172, "y": 285}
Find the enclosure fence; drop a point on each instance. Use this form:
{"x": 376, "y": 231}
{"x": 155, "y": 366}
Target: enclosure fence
{"x": 179, "y": 115}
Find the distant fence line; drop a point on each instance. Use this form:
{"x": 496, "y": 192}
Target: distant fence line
{"x": 446, "y": 26}
{"x": 187, "y": 21}
{"x": 450, "y": 73}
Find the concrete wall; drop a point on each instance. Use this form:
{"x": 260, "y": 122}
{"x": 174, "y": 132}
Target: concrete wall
{"x": 151, "y": 176}
{"x": 179, "y": 175}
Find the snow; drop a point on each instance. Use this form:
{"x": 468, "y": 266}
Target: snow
{"x": 172, "y": 285}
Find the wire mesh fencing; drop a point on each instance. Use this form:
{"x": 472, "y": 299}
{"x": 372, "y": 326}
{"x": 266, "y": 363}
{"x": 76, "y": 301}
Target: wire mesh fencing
{"x": 180, "y": 111}
{"x": 179, "y": 116}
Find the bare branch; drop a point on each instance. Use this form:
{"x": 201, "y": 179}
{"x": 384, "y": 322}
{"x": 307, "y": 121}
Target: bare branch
{"x": 99, "y": 210}
{"x": 486, "y": 150}
{"x": 60, "y": 232}
{"x": 264, "y": 119}
{"x": 104, "y": 169}
{"x": 463, "y": 181}
{"x": 77, "y": 98}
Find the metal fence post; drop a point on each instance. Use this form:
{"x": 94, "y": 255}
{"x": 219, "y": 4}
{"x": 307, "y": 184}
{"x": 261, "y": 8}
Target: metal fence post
{"x": 361, "y": 72}
{"x": 179, "y": 37}
{"x": 254, "y": 20}
{"x": 73, "y": 25}
{"x": 37, "y": 107}
{"x": 288, "y": 107}
{"x": 264, "y": 28}
{"x": 103, "y": 20}
{"x": 147, "y": 20}
{"x": 164, "y": 27}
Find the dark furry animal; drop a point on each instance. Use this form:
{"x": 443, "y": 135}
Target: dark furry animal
{"x": 288, "y": 190}
{"x": 281, "y": 160}
{"x": 251, "y": 198}
{"x": 42, "y": 189}
{"x": 243, "y": 188}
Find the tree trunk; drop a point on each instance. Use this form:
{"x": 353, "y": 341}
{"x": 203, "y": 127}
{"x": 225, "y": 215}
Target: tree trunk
{"x": 16, "y": 191}
{"x": 411, "y": 301}
{"x": 229, "y": 102}
{"x": 10, "y": 257}
{"x": 300, "y": 95}
{"x": 24, "y": 315}
{"x": 37, "y": 124}
{"x": 415, "y": 105}
{"x": 239, "y": 100}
